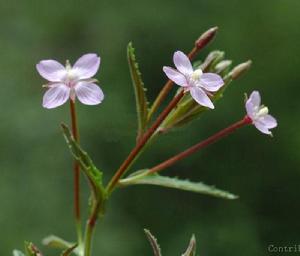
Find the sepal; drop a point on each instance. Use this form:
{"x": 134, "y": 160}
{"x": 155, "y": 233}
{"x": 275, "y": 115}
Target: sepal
{"x": 191, "y": 250}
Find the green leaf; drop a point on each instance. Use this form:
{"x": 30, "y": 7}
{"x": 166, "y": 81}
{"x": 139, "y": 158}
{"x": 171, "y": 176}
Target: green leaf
{"x": 158, "y": 180}
{"x": 56, "y": 242}
{"x": 31, "y": 249}
{"x": 59, "y": 243}
{"x": 154, "y": 244}
{"x": 90, "y": 170}
{"x": 17, "y": 253}
{"x": 139, "y": 90}
{"x": 68, "y": 251}
{"x": 191, "y": 250}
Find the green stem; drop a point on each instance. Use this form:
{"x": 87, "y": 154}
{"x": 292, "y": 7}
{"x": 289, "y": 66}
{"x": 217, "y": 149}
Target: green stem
{"x": 88, "y": 240}
{"x": 90, "y": 228}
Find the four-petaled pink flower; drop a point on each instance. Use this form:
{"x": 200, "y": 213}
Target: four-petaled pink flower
{"x": 194, "y": 81}
{"x": 70, "y": 82}
{"x": 259, "y": 114}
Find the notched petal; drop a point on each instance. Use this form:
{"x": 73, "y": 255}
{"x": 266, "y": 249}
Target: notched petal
{"x": 182, "y": 63}
{"x": 89, "y": 93}
{"x": 56, "y": 96}
{"x": 211, "y": 82}
{"x": 255, "y": 98}
{"x": 269, "y": 121}
{"x": 201, "y": 98}
{"x": 250, "y": 108}
{"x": 86, "y": 66}
{"x": 51, "y": 70}
{"x": 261, "y": 127}
{"x": 175, "y": 76}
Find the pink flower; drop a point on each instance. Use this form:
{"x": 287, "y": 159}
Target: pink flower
{"x": 259, "y": 114}
{"x": 194, "y": 81}
{"x": 70, "y": 82}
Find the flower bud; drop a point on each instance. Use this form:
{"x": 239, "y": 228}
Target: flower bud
{"x": 222, "y": 65}
{"x": 211, "y": 59}
{"x": 206, "y": 37}
{"x": 240, "y": 69}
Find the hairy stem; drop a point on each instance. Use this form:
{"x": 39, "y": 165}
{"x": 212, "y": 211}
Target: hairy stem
{"x": 210, "y": 140}
{"x": 141, "y": 143}
{"x": 76, "y": 169}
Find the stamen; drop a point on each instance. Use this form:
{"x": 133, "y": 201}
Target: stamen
{"x": 263, "y": 111}
{"x": 68, "y": 65}
{"x": 197, "y": 74}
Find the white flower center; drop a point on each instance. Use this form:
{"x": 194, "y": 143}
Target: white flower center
{"x": 71, "y": 78}
{"x": 196, "y": 74}
{"x": 194, "y": 77}
{"x": 261, "y": 111}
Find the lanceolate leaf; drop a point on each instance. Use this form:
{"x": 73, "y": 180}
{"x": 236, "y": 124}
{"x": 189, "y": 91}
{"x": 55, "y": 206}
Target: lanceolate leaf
{"x": 139, "y": 89}
{"x": 154, "y": 244}
{"x": 68, "y": 251}
{"x": 56, "y": 242}
{"x": 59, "y": 243}
{"x": 191, "y": 250}
{"x": 93, "y": 174}
{"x": 196, "y": 187}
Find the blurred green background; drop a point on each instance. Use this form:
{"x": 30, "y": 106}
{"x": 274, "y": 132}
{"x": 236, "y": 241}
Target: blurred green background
{"x": 35, "y": 166}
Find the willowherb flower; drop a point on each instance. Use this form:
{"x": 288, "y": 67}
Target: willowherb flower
{"x": 259, "y": 114}
{"x": 71, "y": 81}
{"x": 199, "y": 84}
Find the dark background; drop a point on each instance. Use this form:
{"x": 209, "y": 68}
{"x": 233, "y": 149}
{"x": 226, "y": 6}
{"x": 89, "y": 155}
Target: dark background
{"x": 35, "y": 165}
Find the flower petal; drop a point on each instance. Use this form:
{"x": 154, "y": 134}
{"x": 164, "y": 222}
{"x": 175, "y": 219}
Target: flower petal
{"x": 86, "y": 66}
{"x": 51, "y": 70}
{"x": 255, "y": 98}
{"x": 211, "y": 82}
{"x": 261, "y": 127}
{"x": 175, "y": 76}
{"x": 182, "y": 63}
{"x": 269, "y": 121}
{"x": 56, "y": 96}
{"x": 89, "y": 93}
{"x": 200, "y": 97}
{"x": 251, "y": 109}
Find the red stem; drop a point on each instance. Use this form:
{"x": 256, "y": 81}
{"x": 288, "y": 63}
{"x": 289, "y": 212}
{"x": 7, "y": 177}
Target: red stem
{"x": 141, "y": 143}
{"x": 76, "y": 164}
{"x": 210, "y": 140}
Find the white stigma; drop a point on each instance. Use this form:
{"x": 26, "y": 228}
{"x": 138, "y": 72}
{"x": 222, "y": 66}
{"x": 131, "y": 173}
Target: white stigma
{"x": 262, "y": 111}
{"x": 196, "y": 74}
{"x": 71, "y": 76}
